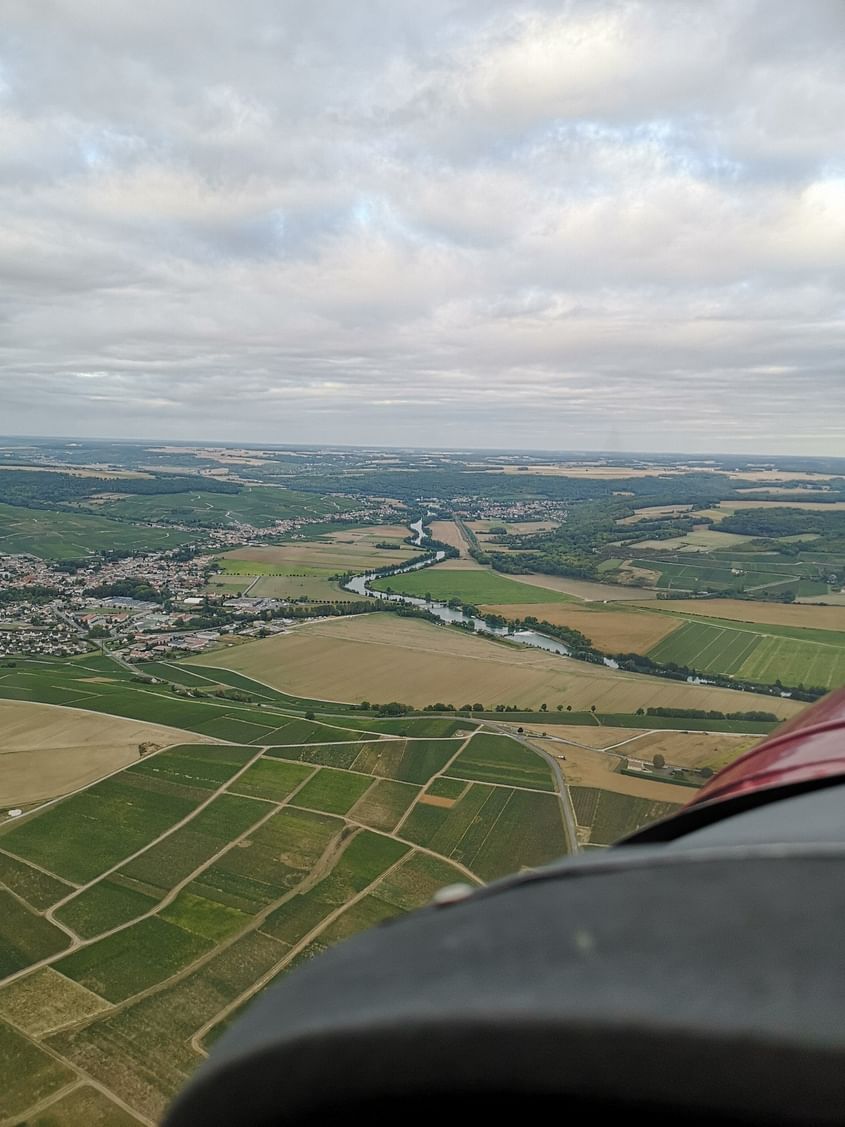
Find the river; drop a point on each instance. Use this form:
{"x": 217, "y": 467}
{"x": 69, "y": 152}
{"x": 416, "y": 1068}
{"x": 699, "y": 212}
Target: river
{"x": 360, "y": 585}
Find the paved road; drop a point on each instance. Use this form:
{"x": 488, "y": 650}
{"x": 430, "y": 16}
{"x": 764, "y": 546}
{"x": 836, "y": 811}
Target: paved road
{"x": 566, "y": 807}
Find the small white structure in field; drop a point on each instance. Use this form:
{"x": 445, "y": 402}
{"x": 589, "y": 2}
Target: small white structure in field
{"x": 16, "y": 813}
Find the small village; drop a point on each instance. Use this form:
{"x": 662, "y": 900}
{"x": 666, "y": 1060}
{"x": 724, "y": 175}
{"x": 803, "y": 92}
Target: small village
{"x": 52, "y": 608}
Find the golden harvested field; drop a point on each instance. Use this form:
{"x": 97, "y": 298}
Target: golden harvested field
{"x": 776, "y": 475}
{"x": 835, "y": 600}
{"x": 78, "y": 471}
{"x": 774, "y": 614}
{"x": 383, "y": 658}
{"x": 595, "y": 736}
{"x": 370, "y": 534}
{"x": 465, "y": 563}
{"x": 334, "y": 554}
{"x": 447, "y": 532}
{"x": 692, "y": 749}
{"x": 614, "y": 631}
{"x": 820, "y": 506}
{"x": 652, "y": 511}
{"x": 597, "y": 769}
{"x": 782, "y": 491}
{"x": 518, "y": 528}
{"x": 586, "y": 589}
{"x": 46, "y": 750}
{"x": 554, "y": 470}
{"x": 700, "y": 540}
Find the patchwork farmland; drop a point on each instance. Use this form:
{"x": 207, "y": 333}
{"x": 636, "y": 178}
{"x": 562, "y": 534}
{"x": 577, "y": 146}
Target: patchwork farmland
{"x": 145, "y": 910}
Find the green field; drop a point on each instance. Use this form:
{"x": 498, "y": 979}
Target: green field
{"x": 64, "y": 535}
{"x": 231, "y": 565}
{"x": 25, "y": 936}
{"x": 476, "y": 587}
{"x": 417, "y": 726}
{"x": 83, "y": 1105}
{"x": 609, "y": 816}
{"x": 27, "y": 1073}
{"x": 764, "y": 654}
{"x": 30, "y": 884}
{"x": 278, "y": 581}
{"x": 105, "y": 905}
{"x": 491, "y": 829}
{"x": 333, "y": 792}
{"x": 134, "y": 959}
{"x": 499, "y": 759}
{"x": 383, "y": 804}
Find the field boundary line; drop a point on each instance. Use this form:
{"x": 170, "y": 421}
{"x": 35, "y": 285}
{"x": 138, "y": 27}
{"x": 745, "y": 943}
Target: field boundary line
{"x": 47, "y": 1101}
{"x": 492, "y": 827}
{"x": 48, "y": 914}
{"x": 292, "y": 952}
{"x": 87, "y": 786}
{"x": 40, "y": 868}
{"x": 425, "y": 786}
{"x": 69, "y": 932}
{"x": 567, "y": 809}
{"x": 223, "y": 945}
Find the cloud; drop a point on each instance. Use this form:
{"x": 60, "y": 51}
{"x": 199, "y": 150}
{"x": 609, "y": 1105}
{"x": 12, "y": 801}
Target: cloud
{"x": 453, "y": 224}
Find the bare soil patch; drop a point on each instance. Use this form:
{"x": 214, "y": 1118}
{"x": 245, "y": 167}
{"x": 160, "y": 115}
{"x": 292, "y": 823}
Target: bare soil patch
{"x": 596, "y": 769}
{"x": 775, "y": 614}
{"x": 436, "y": 800}
{"x": 448, "y": 533}
{"x": 818, "y": 506}
{"x": 47, "y": 750}
{"x": 595, "y": 736}
{"x": 692, "y": 749}
{"x": 614, "y": 631}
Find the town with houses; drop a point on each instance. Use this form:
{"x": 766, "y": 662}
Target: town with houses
{"x": 51, "y": 609}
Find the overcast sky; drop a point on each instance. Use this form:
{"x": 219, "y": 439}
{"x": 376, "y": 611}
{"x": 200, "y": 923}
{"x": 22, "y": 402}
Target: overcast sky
{"x": 564, "y": 226}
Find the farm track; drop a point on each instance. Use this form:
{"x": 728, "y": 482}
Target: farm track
{"x": 566, "y": 809}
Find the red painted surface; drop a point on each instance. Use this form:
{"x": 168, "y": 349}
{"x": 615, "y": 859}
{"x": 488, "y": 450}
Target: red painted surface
{"x": 807, "y": 748}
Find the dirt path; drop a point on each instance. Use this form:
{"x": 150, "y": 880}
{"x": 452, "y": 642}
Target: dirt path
{"x": 78, "y": 943}
{"x": 444, "y": 768}
{"x": 289, "y": 956}
{"x": 567, "y": 810}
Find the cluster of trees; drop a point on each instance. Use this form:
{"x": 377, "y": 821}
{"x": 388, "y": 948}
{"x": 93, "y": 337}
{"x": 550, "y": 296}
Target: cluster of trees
{"x": 224, "y": 694}
{"x": 706, "y": 714}
{"x": 774, "y": 522}
{"x": 392, "y": 708}
{"x": 37, "y": 593}
{"x": 124, "y": 589}
{"x": 439, "y": 707}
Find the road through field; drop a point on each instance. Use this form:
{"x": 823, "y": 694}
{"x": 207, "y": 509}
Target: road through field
{"x": 566, "y": 809}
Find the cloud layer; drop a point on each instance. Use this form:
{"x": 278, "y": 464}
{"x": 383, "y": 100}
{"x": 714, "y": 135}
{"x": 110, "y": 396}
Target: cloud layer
{"x": 571, "y": 225}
